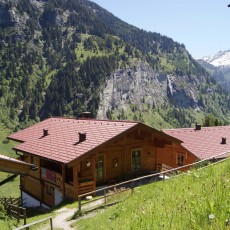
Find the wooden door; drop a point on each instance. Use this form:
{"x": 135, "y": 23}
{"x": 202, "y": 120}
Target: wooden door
{"x": 136, "y": 160}
{"x": 100, "y": 167}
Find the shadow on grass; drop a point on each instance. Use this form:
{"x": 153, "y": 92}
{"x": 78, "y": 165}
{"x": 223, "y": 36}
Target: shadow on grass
{"x": 35, "y": 211}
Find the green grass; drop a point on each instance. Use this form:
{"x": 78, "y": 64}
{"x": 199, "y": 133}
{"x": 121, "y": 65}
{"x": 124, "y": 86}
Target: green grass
{"x": 11, "y": 189}
{"x": 7, "y": 223}
{"x": 34, "y": 215}
{"x": 83, "y": 54}
{"x": 6, "y": 145}
{"x": 183, "y": 202}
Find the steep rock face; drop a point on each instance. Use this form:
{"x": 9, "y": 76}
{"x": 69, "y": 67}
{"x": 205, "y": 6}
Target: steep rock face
{"x": 11, "y": 17}
{"x": 53, "y": 17}
{"x": 132, "y": 86}
{"x": 142, "y": 85}
{"x": 7, "y": 17}
{"x": 180, "y": 93}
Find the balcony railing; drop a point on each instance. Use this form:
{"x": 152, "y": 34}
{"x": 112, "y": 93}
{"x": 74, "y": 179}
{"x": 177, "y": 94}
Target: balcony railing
{"x": 51, "y": 176}
{"x": 85, "y": 186}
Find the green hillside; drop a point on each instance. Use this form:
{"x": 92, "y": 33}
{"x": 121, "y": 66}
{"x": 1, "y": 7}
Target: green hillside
{"x": 57, "y": 56}
{"x": 197, "y": 200}
{"x": 6, "y": 145}
{"x": 11, "y": 189}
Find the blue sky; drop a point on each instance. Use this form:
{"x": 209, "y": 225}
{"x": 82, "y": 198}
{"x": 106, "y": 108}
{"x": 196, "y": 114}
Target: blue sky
{"x": 202, "y": 25}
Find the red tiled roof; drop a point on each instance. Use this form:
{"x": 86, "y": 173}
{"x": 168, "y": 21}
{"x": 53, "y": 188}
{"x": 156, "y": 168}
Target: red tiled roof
{"x": 204, "y": 143}
{"x": 61, "y": 143}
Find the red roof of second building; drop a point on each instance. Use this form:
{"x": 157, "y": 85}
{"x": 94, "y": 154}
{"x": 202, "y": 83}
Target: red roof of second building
{"x": 62, "y": 142}
{"x": 204, "y": 143}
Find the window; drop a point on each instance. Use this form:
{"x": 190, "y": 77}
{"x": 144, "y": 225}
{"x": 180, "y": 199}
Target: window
{"x": 100, "y": 167}
{"x": 49, "y": 190}
{"x": 33, "y": 160}
{"x": 115, "y": 162}
{"x": 136, "y": 160}
{"x": 180, "y": 159}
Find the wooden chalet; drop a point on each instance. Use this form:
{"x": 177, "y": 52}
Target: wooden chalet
{"x": 74, "y": 156}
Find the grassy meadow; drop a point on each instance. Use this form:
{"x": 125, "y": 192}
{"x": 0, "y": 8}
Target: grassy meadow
{"x": 11, "y": 189}
{"x": 6, "y": 145}
{"x": 197, "y": 200}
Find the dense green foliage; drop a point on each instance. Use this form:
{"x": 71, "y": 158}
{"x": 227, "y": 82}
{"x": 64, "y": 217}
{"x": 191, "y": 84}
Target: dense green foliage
{"x": 210, "y": 120}
{"x": 56, "y": 62}
{"x": 197, "y": 200}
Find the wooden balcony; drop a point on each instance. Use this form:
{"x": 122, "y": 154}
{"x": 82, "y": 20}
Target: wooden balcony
{"x": 86, "y": 185}
{"x": 51, "y": 176}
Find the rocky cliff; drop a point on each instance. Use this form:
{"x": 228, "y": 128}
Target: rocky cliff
{"x": 62, "y": 57}
{"x": 141, "y": 86}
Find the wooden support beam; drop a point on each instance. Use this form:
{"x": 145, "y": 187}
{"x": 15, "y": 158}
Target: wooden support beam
{"x": 11, "y": 165}
{"x": 93, "y": 168}
{"x": 75, "y": 179}
{"x": 63, "y": 179}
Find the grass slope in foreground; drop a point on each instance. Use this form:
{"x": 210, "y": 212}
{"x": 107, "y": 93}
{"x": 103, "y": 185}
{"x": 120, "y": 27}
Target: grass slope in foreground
{"x": 198, "y": 200}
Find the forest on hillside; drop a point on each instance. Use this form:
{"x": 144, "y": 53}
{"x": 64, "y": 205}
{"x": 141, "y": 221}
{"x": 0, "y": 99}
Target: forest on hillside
{"x": 56, "y": 56}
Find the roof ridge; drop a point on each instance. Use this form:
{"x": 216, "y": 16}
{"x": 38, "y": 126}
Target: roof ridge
{"x": 94, "y": 119}
{"x": 193, "y": 128}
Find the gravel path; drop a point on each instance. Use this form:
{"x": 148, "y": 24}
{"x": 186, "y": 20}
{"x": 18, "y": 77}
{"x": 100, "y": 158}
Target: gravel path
{"x": 60, "y": 221}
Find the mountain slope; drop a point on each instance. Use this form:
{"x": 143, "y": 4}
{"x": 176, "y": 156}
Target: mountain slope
{"x": 218, "y": 65}
{"x": 222, "y": 58}
{"x": 59, "y": 58}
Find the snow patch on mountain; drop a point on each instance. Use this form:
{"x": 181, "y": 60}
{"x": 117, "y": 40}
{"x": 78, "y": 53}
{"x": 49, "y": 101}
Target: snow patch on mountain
{"x": 222, "y": 58}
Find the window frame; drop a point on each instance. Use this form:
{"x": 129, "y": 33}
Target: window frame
{"x": 180, "y": 160}
{"x": 140, "y": 153}
{"x": 49, "y": 190}
{"x": 33, "y": 160}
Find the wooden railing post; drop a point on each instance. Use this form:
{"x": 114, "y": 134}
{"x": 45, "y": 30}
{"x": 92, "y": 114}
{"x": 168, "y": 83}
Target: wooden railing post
{"x": 105, "y": 196}
{"x": 79, "y": 205}
{"x": 51, "y": 223}
{"x": 24, "y": 216}
{"x": 18, "y": 213}
{"x": 132, "y": 186}
{"x": 9, "y": 210}
{"x": 36, "y": 222}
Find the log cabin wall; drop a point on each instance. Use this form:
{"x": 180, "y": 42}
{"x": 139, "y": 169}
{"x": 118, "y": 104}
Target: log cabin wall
{"x": 48, "y": 194}
{"x": 118, "y": 156}
{"x": 32, "y": 160}
{"x": 166, "y": 156}
{"x": 37, "y": 184}
{"x": 174, "y": 156}
{"x": 32, "y": 186}
{"x": 140, "y": 140}
{"x": 113, "y": 159}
